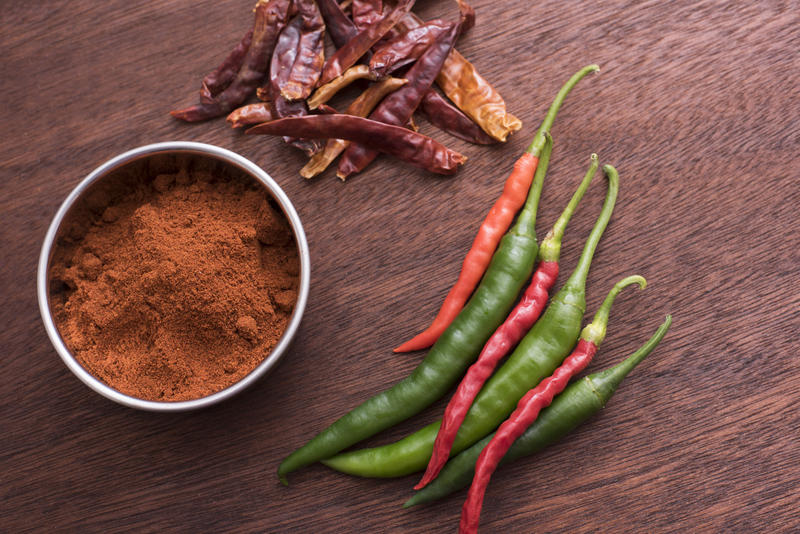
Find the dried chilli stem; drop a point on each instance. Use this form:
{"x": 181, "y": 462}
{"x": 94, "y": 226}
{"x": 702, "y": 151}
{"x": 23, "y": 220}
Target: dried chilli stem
{"x": 327, "y": 91}
{"x": 250, "y": 114}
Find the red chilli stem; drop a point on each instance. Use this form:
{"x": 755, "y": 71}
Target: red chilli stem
{"x": 550, "y": 249}
{"x": 538, "y": 141}
{"x": 595, "y": 331}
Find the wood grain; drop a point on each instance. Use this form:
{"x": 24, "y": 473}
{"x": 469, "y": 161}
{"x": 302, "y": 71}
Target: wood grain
{"x": 697, "y": 105}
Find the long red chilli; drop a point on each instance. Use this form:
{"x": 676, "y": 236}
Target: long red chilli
{"x": 505, "y": 338}
{"x": 532, "y": 403}
{"x": 494, "y": 226}
{"x": 479, "y": 255}
{"x": 525, "y": 414}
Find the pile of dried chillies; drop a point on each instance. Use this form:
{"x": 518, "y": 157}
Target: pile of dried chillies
{"x": 281, "y": 59}
{"x": 496, "y": 414}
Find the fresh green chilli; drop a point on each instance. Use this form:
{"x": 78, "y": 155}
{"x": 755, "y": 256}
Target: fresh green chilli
{"x": 511, "y": 265}
{"x": 577, "y": 403}
{"x": 538, "y": 354}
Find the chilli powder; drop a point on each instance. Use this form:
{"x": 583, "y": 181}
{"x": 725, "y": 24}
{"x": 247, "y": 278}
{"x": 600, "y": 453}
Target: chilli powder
{"x": 174, "y": 285}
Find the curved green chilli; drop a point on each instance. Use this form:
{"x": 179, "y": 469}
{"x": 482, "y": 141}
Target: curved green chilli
{"x": 577, "y": 403}
{"x": 455, "y": 349}
{"x": 542, "y": 349}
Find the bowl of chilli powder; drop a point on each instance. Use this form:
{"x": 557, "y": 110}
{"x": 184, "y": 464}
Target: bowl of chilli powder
{"x": 174, "y": 276}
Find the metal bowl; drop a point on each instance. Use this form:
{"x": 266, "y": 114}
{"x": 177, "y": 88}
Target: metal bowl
{"x": 107, "y": 171}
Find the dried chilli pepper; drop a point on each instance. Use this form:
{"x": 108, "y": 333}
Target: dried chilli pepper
{"x": 329, "y": 90}
{"x": 405, "y": 48}
{"x": 579, "y": 402}
{"x": 538, "y": 354}
{"x": 283, "y": 59}
{"x": 513, "y": 329}
{"x": 497, "y": 221}
{"x": 307, "y": 66}
{"x": 250, "y": 114}
{"x": 398, "y": 107}
{"x": 366, "y": 12}
{"x": 473, "y": 95}
{"x": 444, "y": 364}
{"x": 450, "y": 119}
{"x": 470, "y": 92}
{"x": 360, "y": 107}
{"x": 410, "y": 146}
{"x": 339, "y": 25}
{"x": 216, "y": 81}
{"x": 467, "y": 15}
{"x": 270, "y": 19}
{"x": 532, "y": 403}
{"x": 349, "y": 53}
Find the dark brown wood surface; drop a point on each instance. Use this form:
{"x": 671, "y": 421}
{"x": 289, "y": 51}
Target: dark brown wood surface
{"x": 698, "y": 106}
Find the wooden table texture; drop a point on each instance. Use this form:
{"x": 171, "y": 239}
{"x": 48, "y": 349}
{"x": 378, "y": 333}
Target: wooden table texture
{"x": 697, "y": 105}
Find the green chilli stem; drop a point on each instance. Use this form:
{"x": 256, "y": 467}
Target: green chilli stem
{"x": 595, "y": 331}
{"x": 578, "y": 276}
{"x": 606, "y": 382}
{"x": 550, "y": 249}
{"x": 528, "y": 213}
{"x": 537, "y": 144}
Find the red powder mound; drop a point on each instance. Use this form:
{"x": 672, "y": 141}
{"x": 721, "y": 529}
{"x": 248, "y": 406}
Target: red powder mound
{"x": 178, "y": 288}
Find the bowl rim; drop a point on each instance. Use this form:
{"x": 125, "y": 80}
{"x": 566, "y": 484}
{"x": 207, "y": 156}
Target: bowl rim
{"x": 101, "y": 171}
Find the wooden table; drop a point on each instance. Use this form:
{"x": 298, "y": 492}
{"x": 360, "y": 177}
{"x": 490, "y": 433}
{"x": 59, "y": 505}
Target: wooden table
{"x": 697, "y": 106}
